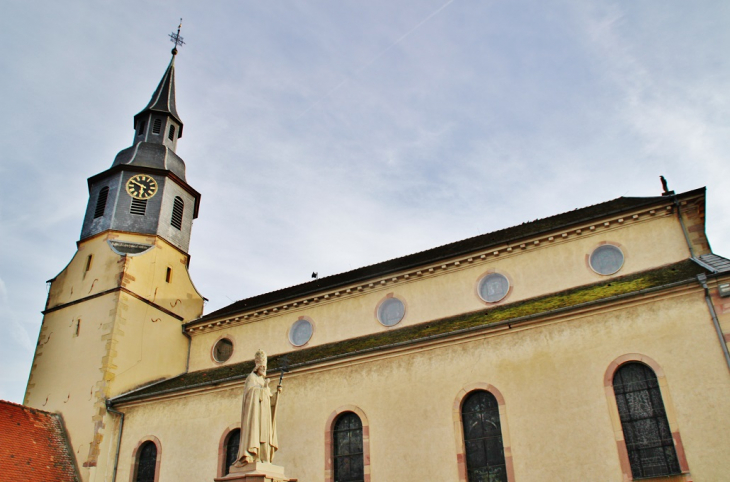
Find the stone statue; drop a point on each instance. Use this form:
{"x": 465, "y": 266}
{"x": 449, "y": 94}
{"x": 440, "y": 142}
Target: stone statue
{"x": 258, "y": 417}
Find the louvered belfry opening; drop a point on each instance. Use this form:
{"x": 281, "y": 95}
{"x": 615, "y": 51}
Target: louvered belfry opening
{"x": 485, "y": 460}
{"x": 140, "y": 130}
{"x": 146, "y": 463}
{"x": 157, "y": 126}
{"x": 178, "y": 207}
{"x": 101, "y": 202}
{"x": 348, "y": 449}
{"x": 644, "y": 422}
{"x": 171, "y": 133}
{"x": 232, "y": 443}
{"x": 139, "y": 207}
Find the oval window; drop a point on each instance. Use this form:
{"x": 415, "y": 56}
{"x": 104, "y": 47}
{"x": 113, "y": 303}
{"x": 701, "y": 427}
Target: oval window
{"x": 493, "y": 287}
{"x": 223, "y": 350}
{"x": 607, "y": 259}
{"x": 301, "y": 332}
{"x": 391, "y": 311}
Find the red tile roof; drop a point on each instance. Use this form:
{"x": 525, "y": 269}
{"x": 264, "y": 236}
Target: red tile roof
{"x": 33, "y": 446}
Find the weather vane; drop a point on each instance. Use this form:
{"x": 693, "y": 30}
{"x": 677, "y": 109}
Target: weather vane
{"x": 176, "y": 39}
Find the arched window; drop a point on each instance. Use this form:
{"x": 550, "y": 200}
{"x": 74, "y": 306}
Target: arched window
{"x": 157, "y": 126}
{"x": 101, "y": 202}
{"x": 485, "y": 460}
{"x": 171, "y": 133}
{"x": 348, "y": 449}
{"x": 644, "y": 422}
{"x": 146, "y": 462}
{"x": 233, "y": 440}
{"x": 178, "y": 206}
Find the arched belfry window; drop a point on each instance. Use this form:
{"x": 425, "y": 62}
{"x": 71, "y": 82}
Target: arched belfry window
{"x": 101, "y": 202}
{"x": 178, "y": 206}
{"x": 348, "y": 449}
{"x": 483, "y": 443}
{"x": 157, "y": 126}
{"x": 146, "y": 462}
{"x": 647, "y": 434}
{"x": 171, "y": 133}
{"x": 233, "y": 440}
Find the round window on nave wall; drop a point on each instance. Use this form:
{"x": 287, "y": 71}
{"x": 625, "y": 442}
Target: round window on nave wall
{"x": 300, "y": 333}
{"x": 223, "y": 350}
{"x": 391, "y": 311}
{"x": 493, "y": 287}
{"x": 607, "y": 259}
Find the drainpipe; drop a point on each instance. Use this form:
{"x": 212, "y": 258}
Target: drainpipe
{"x": 119, "y": 438}
{"x": 702, "y": 278}
{"x": 190, "y": 343}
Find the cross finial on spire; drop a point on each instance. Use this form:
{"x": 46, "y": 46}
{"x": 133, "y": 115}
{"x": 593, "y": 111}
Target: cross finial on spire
{"x": 176, "y": 38}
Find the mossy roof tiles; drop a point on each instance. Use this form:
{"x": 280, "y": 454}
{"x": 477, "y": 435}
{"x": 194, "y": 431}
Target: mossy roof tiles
{"x": 684, "y": 271}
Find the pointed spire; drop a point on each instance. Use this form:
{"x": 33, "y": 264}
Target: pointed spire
{"x": 163, "y": 99}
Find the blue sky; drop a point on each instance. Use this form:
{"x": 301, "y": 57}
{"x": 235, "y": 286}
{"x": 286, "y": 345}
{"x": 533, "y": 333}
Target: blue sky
{"x": 329, "y": 135}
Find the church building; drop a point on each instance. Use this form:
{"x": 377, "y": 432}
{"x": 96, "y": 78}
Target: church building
{"x": 587, "y": 346}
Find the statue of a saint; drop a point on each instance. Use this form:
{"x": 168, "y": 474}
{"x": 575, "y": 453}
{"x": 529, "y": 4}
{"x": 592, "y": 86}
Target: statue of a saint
{"x": 258, "y": 417}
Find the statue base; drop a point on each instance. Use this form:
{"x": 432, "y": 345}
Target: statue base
{"x": 256, "y": 472}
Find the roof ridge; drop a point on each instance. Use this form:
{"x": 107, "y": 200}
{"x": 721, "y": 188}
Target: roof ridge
{"x": 26, "y": 407}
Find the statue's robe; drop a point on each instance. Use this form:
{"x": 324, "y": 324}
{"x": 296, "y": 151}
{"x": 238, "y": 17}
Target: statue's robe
{"x": 258, "y": 427}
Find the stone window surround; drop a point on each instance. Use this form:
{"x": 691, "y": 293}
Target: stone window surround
{"x": 459, "y": 428}
{"x": 135, "y": 458}
{"x": 482, "y": 276}
{"x": 306, "y": 343}
{"x": 383, "y": 300}
{"x": 618, "y": 432}
{"x": 222, "y": 448}
{"x": 329, "y": 472}
{"x": 439, "y": 269}
{"x": 621, "y": 248}
{"x": 229, "y": 337}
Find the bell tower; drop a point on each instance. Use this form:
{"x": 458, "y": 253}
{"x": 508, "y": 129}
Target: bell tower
{"x": 112, "y": 321}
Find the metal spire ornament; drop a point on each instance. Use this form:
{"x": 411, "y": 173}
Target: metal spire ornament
{"x": 176, "y": 39}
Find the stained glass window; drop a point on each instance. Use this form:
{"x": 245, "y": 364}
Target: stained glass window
{"x": 223, "y": 350}
{"x": 232, "y": 442}
{"x": 644, "y": 422}
{"x": 391, "y": 311}
{"x": 483, "y": 438}
{"x": 493, "y": 287}
{"x": 348, "y": 452}
{"x": 607, "y": 259}
{"x": 146, "y": 462}
{"x": 300, "y": 333}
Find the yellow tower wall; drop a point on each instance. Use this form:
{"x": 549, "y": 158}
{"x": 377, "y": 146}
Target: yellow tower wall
{"x": 109, "y": 329}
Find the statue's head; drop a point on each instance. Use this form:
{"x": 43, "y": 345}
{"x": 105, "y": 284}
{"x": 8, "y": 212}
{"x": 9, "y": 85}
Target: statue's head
{"x": 260, "y": 360}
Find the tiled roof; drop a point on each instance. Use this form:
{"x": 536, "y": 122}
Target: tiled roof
{"x": 476, "y": 243}
{"x": 513, "y": 313}
{"x": 714, "y": 263}
{"x": 33, "y": 446}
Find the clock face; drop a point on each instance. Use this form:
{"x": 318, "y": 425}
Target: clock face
{"x": 142, "y": 186}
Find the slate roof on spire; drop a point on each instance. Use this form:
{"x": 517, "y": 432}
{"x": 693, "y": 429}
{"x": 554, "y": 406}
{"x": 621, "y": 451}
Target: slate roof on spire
{"x": 163, "y": 99}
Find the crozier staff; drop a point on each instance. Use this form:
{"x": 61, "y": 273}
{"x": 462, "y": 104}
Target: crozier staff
{"x": 258, "y": 421}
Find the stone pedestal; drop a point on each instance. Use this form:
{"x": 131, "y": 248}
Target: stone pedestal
{"x": 256, "y": 472}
